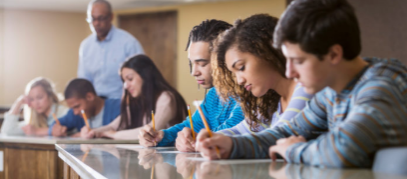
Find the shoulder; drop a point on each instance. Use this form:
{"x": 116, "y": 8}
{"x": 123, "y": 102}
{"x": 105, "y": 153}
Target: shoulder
{"x": 165, "y": 98}
{"x": 124, "y": 35}
{"x": 62, "y": 110}
{"x": 87, "y": 41}
{"x": 112, "y": 102}
{"x": 212, "y": 93}
{"x": 380, "y": 88}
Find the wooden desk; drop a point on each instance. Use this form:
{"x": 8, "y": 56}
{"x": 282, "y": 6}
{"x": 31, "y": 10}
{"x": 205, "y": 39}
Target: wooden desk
{"x": 36, "y": 157}
{"x": 134, "y": 161}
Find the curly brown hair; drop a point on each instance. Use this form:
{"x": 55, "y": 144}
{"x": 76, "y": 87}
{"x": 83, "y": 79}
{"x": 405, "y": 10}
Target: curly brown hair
{"x": 252, "y": 35}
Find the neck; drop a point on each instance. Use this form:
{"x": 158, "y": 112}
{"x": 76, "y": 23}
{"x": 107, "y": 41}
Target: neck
{"x": 99, "y": 103}
{"x": 103, "y": 37}
{"x": 346, "y": 72}
{"x": 285, "y": 87}
{"x": 48, "y": 111}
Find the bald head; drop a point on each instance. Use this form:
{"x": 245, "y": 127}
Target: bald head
{"x": 100, "y": 18}
{"x": 102, "y": 4}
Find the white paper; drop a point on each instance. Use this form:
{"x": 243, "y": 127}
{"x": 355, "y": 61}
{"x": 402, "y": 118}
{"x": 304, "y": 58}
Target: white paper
{"x": 1, "y": 161}
{"x": 234, "y": 161}
{"x": 175, "y": 152}
{"x": 129, "y": 146}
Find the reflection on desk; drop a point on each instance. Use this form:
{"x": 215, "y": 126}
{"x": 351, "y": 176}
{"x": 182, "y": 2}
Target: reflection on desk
{"x": 36, "y": 157}
{"x": 134, "y": 161}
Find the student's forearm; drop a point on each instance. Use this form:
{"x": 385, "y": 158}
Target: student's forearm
{"x": 354, "y": 142}
{"x": 42, "y": 131}
{"x": 255, "y": 145}
{"x": 78, "y": 134}
{"x": 16, "y": 108}
{"x": 129, "y": 134}
{"x": 103, "y": 129}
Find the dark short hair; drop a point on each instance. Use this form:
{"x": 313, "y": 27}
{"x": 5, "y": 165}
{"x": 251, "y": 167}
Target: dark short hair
{"x": 316, "y": 25}
{"x": 78, "y": 88}
{"x": 207, "y": 31}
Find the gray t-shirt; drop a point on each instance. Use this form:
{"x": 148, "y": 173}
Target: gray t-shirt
{"x": 97, "y": 121}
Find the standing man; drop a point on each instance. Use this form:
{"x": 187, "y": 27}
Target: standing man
{"x": 102, "y": 53}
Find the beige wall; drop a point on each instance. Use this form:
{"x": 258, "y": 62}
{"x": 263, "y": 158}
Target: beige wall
{"x": 191, "y": 15}
{"x": 43, "y": 43}
{"x": 1, "y": 58}
{"x": 39, "y": 43}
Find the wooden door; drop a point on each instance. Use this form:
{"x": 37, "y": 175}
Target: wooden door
{"x": 157, "y": 33}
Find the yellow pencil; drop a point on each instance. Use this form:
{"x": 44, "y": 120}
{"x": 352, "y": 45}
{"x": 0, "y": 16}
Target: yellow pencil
{"x": 85, "y": 119}
{"x": 152, "y": 119}
{"x": 56, "y": 119}
{"x": 84, "y": 156}
{"x": 152, "y": 172}
{"x": 207, "y": 128}
{"x": 190, "y": 121}
{"x": 192, "y": 173}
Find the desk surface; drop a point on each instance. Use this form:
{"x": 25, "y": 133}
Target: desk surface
{"x": 59, "y": 140}
{"x": 133, "y": 161}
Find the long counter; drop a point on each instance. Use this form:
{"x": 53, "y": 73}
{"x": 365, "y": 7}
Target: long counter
{"x": 90, "y": 161}
{"x": 36, "y": 157}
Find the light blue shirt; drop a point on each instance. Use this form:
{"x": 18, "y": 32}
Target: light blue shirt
{"x": 100, "y": 61}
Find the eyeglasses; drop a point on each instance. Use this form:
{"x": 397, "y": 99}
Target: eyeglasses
{"x": 100, "y": 19}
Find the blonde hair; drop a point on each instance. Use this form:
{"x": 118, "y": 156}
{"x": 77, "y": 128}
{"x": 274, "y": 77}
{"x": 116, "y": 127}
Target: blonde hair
{"x": 34, "y": 118}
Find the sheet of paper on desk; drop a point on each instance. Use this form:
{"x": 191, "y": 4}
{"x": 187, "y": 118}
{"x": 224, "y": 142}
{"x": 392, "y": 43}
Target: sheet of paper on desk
{"x": 234, "y": 161}
{"x": 175, "y": 152}
{"x": 130, "y": 146}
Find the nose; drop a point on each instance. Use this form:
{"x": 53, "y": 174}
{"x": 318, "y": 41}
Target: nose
{"x": 194, "y": 71}
{"x": 125, "y": 85}
{"x": 290, "y": 71}
{"x": 240, "y": 80}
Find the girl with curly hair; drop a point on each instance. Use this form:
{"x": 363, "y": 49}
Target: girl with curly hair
{"x": 250, "y": 70}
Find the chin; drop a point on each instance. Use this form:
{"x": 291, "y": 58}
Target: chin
{"x": 257, "y": 94}
{"x": 311, "y": 90}
{"x": 206, "y": 86}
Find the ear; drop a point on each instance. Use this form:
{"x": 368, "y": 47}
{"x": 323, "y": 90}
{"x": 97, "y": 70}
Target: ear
{"x": 335, "y": 54}
{"x": 111, "y": 17}
{"x": 90, "y": 96}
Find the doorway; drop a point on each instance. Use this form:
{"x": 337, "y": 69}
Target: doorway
{"x": 157, "y": 33}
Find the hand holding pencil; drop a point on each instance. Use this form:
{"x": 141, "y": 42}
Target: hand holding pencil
{"x": 212, "y": 145}
{"x": 149, "y": 136}
{"x": 185, "y": 141}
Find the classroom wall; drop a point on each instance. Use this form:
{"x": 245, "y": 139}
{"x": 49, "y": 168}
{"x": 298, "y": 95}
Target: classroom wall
{"x": 44, "y": 43}
{"x": 38, "y": 43}
{"x": 191, "y": 15}
{"x": 383, "y": 27}
{"x": 1, "y": 57}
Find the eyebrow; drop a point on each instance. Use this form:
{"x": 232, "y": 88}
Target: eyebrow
{"x": 200, "y": 60}
{"x": 234, "y": 63}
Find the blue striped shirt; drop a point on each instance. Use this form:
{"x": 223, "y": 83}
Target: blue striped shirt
{"x": 345, "y": 129}
{"x": 219, "y": 114}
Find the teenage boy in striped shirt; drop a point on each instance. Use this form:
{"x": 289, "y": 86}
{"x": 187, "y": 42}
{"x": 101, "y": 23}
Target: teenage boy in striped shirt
{"x": 360, "y": 105}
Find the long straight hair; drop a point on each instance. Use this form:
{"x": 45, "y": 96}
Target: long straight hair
{"x": 154, "y": 84}
{"x": 34, "y": 118}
